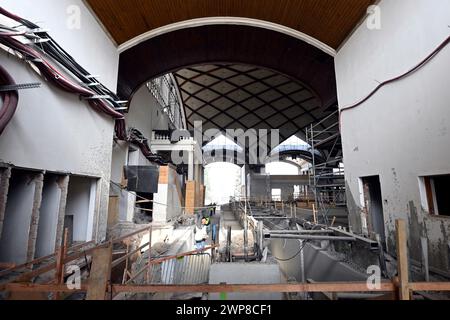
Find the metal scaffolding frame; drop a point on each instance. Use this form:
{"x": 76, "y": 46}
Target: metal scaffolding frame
{"x": 327, "y": 176}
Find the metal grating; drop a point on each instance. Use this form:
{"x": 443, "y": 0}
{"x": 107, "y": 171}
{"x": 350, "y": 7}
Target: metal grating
{"x": 187, "y": 270}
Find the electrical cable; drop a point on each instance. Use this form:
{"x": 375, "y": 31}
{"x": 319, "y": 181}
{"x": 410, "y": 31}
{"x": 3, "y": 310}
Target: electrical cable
{"x": 107, "y": 104}
{"x": 400, "y": 77}
{"x": 295, "y": 256}
{"x": 10, "y": 100}
{"x": 52, "y": 49}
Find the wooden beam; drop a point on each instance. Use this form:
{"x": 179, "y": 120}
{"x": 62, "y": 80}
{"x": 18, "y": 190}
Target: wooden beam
{"x": 33, "y": 287}
{"x": 402, "y": 260}
{"x": 218, "y": 288}
{"x": 340, "y": 287}
{"x": 430, "y": 286}
{"x": 113, "y": 211}
{"x": 60, "y": 266}
{"x": 100, "y": 274}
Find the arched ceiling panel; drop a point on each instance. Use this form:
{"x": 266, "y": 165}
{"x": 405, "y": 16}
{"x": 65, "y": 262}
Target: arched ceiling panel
{"x": 329, "y": 21}
{"x": 242, "y": 104}
{"x": 233, "y": 44}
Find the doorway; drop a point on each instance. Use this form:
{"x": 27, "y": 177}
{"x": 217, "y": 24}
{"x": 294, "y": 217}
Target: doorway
{"x": 373, "y": 204}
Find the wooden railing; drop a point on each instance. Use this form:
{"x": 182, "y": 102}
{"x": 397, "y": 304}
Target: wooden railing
{"x": 98, "y": 286}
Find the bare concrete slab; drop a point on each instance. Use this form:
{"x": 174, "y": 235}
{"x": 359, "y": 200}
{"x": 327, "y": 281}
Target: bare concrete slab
{"x": 245, "y": 273}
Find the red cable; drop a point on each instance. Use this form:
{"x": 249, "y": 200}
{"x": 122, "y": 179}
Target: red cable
{"x": 10, "y": 100}
{"x": 400, "y": 77}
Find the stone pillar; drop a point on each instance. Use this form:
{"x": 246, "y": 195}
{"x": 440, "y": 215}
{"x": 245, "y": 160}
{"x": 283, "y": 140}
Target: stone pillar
{"x": 5, "y": 175}
{"x": 191, "y": 166}
{"x": 34, "y": 223}
{"x": 63, "y": 184}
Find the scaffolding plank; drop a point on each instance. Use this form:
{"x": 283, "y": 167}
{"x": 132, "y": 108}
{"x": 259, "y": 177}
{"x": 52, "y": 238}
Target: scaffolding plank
{"x": 100, "y": 274}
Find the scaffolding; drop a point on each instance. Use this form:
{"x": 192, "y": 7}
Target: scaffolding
{"x": 327, "y": 172}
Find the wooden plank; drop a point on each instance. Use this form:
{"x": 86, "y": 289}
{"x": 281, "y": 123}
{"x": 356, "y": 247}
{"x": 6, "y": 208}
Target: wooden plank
{"x": 60, "y": 257}
{"x": 113, "y": 211}
{"x": 48, "y": 267}
{"x": 100, "y": 274}
{"x": 213, "y": 288}
{"x": 430, "y": 286}
{"x": 7, "y": 265}
{"x": 30, "y": 275}
{"x": 60, "y": 266}
{"x": 283, "y": 287}
{"x": 33, "y": 287}
{"x": 219, "y": 288}
{"x": 402, "y": 260}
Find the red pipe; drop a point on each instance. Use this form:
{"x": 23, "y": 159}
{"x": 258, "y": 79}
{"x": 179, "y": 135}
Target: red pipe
{"x": 10, "y": 100}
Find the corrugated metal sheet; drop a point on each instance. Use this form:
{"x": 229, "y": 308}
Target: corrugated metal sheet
{"x": 187, "y": 270}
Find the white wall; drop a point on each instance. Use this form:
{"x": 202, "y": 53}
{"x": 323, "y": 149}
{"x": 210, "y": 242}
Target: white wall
{"x": 16, "y": 227}
{"x": 403, "y": 131}
{"x": 48, "y": 217}
{"x": 145, "y": 115}
{"x": 90, "y": 46}
{"x": 53, "y": 130}
{"x": 167, "y": 201}
{"x": 80, "y": 205}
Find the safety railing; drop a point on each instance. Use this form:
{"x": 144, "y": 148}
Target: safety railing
{"x": 98, "y": 288}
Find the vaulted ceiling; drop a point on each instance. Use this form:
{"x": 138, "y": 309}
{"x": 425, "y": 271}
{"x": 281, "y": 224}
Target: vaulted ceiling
{"x": 329, "y": 21}
{"x": 246, "y": 97}
{"x": 236, "y": 75}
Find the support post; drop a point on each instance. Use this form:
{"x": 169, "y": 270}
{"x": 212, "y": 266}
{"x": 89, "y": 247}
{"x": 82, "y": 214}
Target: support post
{"x": 5, "y": 175}
{"x": 402, "y": 260}
{"x": 63, "y": 184}
{"x": 38, "y": 181}
{"x": 332, "y": 222}
{"x": 60, "y": 267}
{"x": 100, "y": 273}
{"x": 314, "y": 213}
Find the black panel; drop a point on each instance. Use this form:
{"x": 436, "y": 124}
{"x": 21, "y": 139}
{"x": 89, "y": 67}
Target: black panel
{"x": 142, "y": 178}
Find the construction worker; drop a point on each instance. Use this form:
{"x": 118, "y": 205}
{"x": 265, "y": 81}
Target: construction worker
{"x": 201, "y": 234}
{"x": 207, "y": 224}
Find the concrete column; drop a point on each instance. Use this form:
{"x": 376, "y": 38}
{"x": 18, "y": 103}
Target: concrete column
{"x": 191, "y": 166}
{"x": 63, "y": 184}
{"x": 34, "y": 223}
{"x": 5, "y": 174}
